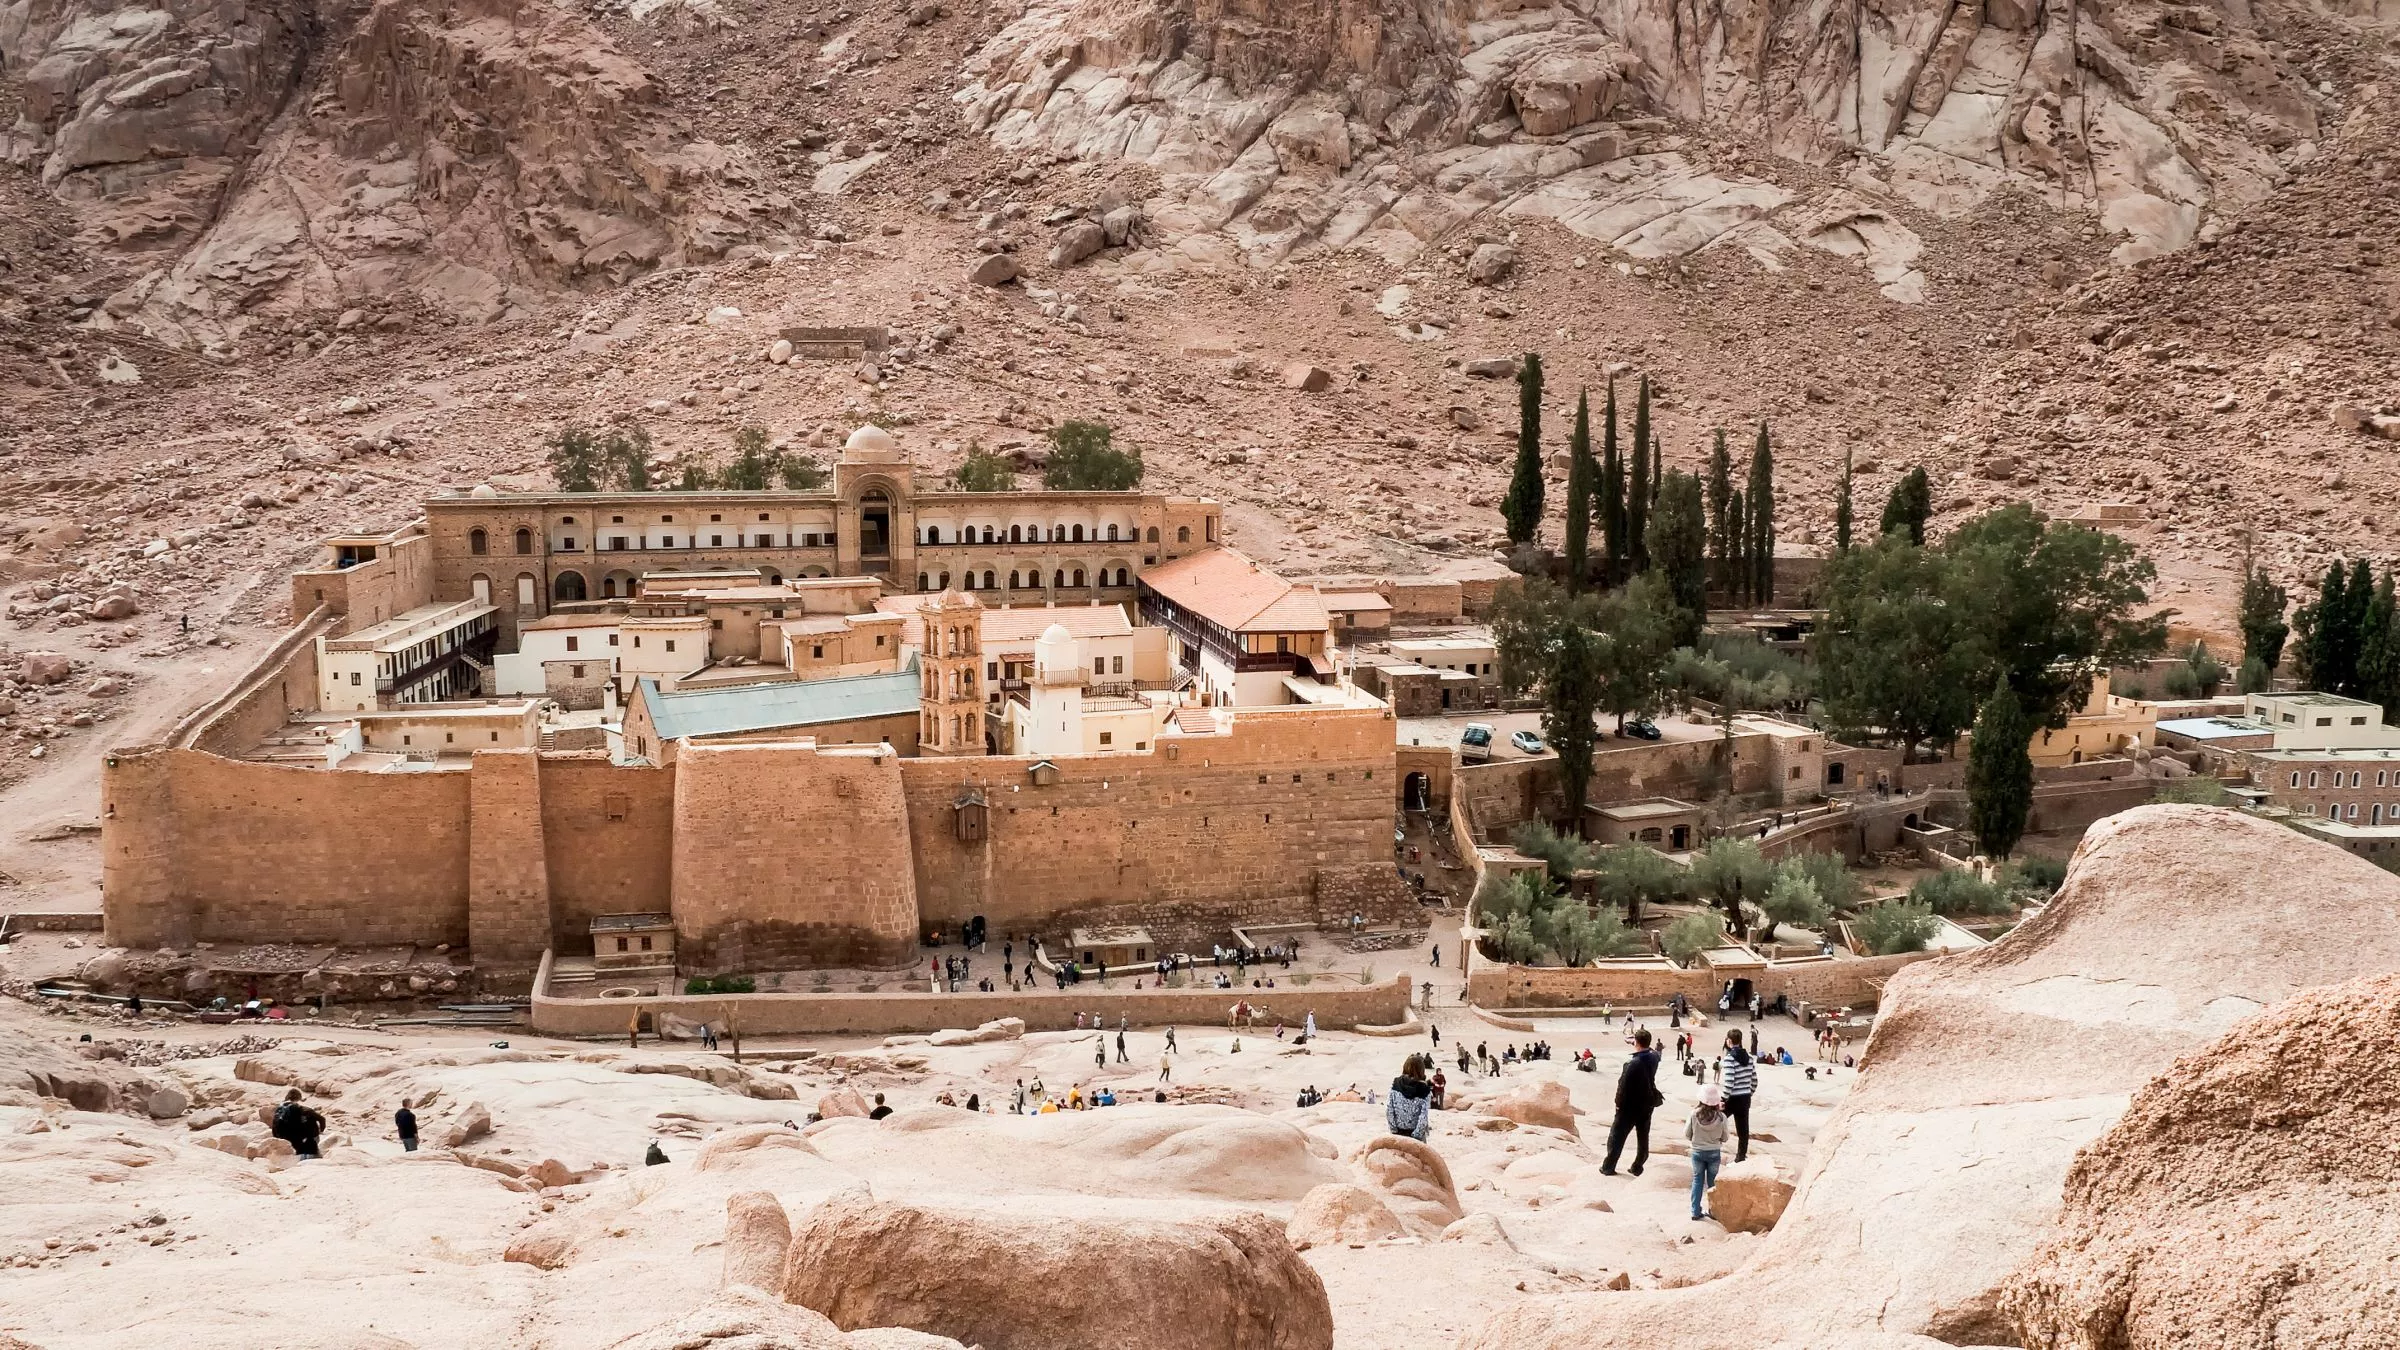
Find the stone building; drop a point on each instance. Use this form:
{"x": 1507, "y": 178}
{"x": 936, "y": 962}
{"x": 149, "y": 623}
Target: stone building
{"x": 1240, "y": 631}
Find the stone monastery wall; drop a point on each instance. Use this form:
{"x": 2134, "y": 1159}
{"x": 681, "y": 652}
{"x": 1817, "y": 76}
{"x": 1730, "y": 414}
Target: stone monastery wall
{"x": 768, "y": 855}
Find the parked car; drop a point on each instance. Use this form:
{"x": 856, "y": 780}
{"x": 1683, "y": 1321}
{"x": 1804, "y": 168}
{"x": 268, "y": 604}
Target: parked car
{"x": 1646, "y": 729}
{"x": 1527, "y": 742}
{"x": 1475, "y": 743}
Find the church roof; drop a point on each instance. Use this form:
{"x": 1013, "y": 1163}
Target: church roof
{"x": 768, "y": 707}
{"x": 1226, "y": 587}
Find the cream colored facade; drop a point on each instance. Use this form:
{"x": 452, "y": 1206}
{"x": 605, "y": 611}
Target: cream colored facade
{"x": 2106, "y": 726}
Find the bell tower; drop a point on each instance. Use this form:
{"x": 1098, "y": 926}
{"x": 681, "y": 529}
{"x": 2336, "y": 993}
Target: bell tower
{"x": 950, "y": 701}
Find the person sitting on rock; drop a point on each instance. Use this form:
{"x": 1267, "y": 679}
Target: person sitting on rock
{"x": 655, "y": 1156}
{"x": 1409, "y": 1110}
{"x": 880, "y": 1110}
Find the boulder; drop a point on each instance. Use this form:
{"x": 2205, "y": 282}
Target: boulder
{"x": 109, "y": 607}
{"x": 758, "y": 1234}
{"x": 1338, "y": 1213}
{"x": 994, "y": 1279}
{"x": 166, "y": 1103}
{"x": 105, "y": 971}
{"x": 1491, "y": 368}
{"x": 1118, "y": 225}
{"x": 1750, "y": 1196}
{"x": 1533, "y": 1101}
{"x": 999, "y": 1029}
{"x": 1412, "y": 1179}
{"x": 731, "y": 1148}
{"x": 472, "y": 1122}
{"x": 1479, "y": 1230}
{"x": 548, "y": 1245}
{"x": 2248, "y": 1196}
{"x": 993, "y": 269}
{"x": 550, "y": 1173}
{"x": 743, "y": 1318}
{"x": 45, "y": 667}
{"x": 843, "y": 1101}
{"x": 780, "y": 351}
{"x": 1562, "y": 90}
{"x": 1077, "y": 242}
{"x": 1491, "y": 263}
{"x": 2386, "y": 425}
{"x": 107, "y": 686}
{"x": 1306, "y": 378}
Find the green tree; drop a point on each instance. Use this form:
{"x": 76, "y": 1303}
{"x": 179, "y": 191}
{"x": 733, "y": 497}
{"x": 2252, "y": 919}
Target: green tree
{"x": 2198, "y": 676}
{"x": 1630, "y": 876}
{"x": 1679, "y": 552}
{"x": 1518, "y": 894}
{"x": 2332, "y": 629}
{"x": 1737, "y": 563}
{"x": 1731, "y": 872}
{"x": 1572, "y": 689}
{"x": 1578, "y": 934}
{"x": 2379, "y": 650}
{"x": 1721, "y": 530}
{"x": 2048, "y": 603}
{"x": 801, "y": 473}
{"x": 1637, "y": 624}
{"x": 1639, "y": 487}
{"x": 1895, "y": 926}
{"x": 2000, "y": 772}
{"x": 1522, "y": 507}
{"x": 1892, "y": 653}
{"x": 983, "y": 471}
{"x": 2197, "y": 790}
{"x": 1759, "y": 505}
{"x": 1836, "y": 884}
{"x": 2254, "y": 678}
{"x": 2033, "y": 876}
{"x": 695, "y": 478}
{"x": 1792, "y": 898}
{"x": 1842, "y": 509}
{"x": 1084, "y": 458}
{"x": 627, "y": 457}
{"x": 2262, "y": 615}
{"x": 1526, "y": 620}
{"x": 1580, "y": 473}
{"x": 1691, "y": 935}
{"x": 1518, "y": 941}
{"x": 1612, "y": 496}
{"x": 1957, "y": 891}
{"x": 1562, "y": 855}
{"x": 1909, "y": 506}
{"x": 575, "y": 459}
{"x": 753, "y": 469}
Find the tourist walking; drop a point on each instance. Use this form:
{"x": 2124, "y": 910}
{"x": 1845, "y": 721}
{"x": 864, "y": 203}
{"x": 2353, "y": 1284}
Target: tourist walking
{"x": 1171, "y": 1042}
{"x": 1637, "y": 1097}
{"x": 1706, "y": 1131}
{"x": 405, "y": 1121}
{"x": 1100, "y": 1053}
{"x": 1166, "y": 1069}
{"x": 1121, "y": 1046}
{"x": 1738, "y": 1073}
{"x": 1409, "y": 1110}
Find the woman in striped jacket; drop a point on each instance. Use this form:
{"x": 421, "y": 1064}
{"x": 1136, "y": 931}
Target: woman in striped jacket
{"x": 1738, "y": 1074}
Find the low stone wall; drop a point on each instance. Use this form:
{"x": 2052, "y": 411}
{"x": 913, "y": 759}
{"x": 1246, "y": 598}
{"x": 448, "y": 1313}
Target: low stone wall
{"x": 53, "y": 921}
{"x": 1339, "y": 1002}
{"x": 1839, "y": 982}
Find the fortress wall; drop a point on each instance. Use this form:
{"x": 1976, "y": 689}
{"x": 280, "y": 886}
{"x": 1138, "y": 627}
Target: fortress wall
{"x": 788, "y": 856}
{"x": 1207, "y": 830}
{"x": 609, "y": 833}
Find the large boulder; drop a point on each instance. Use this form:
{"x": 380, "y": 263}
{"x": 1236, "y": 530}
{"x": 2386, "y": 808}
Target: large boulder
{"x": 1750, "y": 1196}
{"x": 1231, "y": 1281}
{"x": 1339, "y": 1213}
{"x": 842, "y": 1101}
{"x": 2249, "y": 1196}
{"x": 741, "y": 1318}
{"x": 1533, "y": 1101}
{"x": 45, "y": 667}
{"x": 1413, "y": 1180}
{"x": 1077, "y": 242}
{"x": 999, "y": 1029}
{"x": 758, "y": 1234}
{"x": 1942, "y": 1172}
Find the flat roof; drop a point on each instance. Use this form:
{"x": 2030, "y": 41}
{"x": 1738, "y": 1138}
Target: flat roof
{"x": 2363, "y": 752}
{"x": 597, "y": 619}
{"x": 443, "y": 711}
{"x": 602, "y": 923}
{"x": 1028, "y": 625}
{"x": 1355, "y": 600}
{"x": 1110, "y": 937}
{"x": 2215, "y": 728}
{"x": 1447, "y": 644}
{"x": 763, "y": 707}
{"x": 1647, "y": 810}
{"x": 2309, "y": 698}
{"x": 409, "y": 628}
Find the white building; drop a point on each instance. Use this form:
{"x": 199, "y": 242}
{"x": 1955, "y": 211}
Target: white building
{"x": 430, "y": 654}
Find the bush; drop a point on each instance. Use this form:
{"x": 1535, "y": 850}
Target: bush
{"x": 1959, "y": 891}
{"x": 1633, "y": 875}
{"x": 721, "y": 984}
{"x": 1691, "y": 935}
{"x": 983, "y": 471}
{"x": 1084, "y": 458}
{"x": 2198, "y": 790}
{"x": 1895, "y": 926}
{"x": 1516, "y": 941}
{"x": 2034, "y": 875}
{"x": 1562, "y": 854}
{"x": 2182, "y": 683}
{"x": 2255, "y": 677}
{"x": 1836, "y": 884}
{"x": 1578, "y": 934}
{"x": 1502, "y": 898}
{"x": 1792, "y": 898}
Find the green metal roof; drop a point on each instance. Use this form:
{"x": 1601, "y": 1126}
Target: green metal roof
{"x": 766, "y": 707}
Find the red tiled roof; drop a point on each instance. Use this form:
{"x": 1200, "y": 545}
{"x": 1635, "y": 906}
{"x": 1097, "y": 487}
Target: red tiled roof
{"x": 1227, "y": 588}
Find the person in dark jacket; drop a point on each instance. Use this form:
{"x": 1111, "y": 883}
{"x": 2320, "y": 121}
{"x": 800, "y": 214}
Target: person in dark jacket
{"x": 1637, "y": 1097}
{"x": 405, "y": 1121}
{"x": 1409, "y": 1110}
{"x": 297, "y": 1125}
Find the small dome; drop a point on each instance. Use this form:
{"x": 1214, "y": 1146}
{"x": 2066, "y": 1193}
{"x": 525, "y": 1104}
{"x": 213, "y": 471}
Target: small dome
{"x": 482, "y": 492}
{"x": 1057, "y": 632}
{"x": 870, "y": 444}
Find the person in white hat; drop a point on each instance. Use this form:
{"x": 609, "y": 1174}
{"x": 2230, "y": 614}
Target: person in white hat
{"x": 1706, "y": 1131}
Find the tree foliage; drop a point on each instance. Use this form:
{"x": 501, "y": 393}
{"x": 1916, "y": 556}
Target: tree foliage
{"x": 582, "y": 460}
{"x": 1758, "y": 521}
{"x": 1084, "y": 458}
{"x": 1836, "y": 884}
{"x": 1639, "y": 484}
{"x": 1722, "y": 531}
{"x": 1579, "y": 934}
{"x": 1957, "y": 891}
{"x": 2264, "y": 627}
{"x": 1895, "y": 926}
{"x": 1522, "y": 507}
{"x": 1679, "y": 552}
{"x": 1691, "y": 935}
{"x": 1909, "y": 506}
{"x": 1580, "y": 487}
{"x": 1792, "y": 898}
{"x": 983, "y": 471}
{"x": 1842, "y": 509}
{"x": 2197, "y": 790}
{"x": 1631, "y": 876}
{"x": 2000, "y": 773}
{"x": 1612, "y": 495}
{"x": 755, "y": 467}
{"x": 1729, "y": 873}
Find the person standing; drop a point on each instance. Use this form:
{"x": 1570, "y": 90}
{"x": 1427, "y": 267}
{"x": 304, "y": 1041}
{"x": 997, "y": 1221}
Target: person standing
{"x": 405, "y": 1121}
{"x": 1637, "y": 1097}
{"x": 1738, "y": 1074}
{"x": 1437, "y": 1035}
{"x": 1409, "y": 1109}
{"x": 1166, "y": 1068}
{"x": 1121, "y": 1059}
{"x": 1171, "y": 1042}
{"x": 1706, "y": 1131}
{"x": 1100, "y": 1053}
{"x": 1308, "y": 1027}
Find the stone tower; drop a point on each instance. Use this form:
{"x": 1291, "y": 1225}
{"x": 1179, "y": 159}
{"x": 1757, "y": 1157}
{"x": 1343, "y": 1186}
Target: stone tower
{"x": 1056, "y": 724}
{"x": 950, "y": 704}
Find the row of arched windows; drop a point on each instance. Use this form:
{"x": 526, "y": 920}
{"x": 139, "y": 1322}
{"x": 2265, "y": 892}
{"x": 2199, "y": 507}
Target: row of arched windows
{"x": 479, "y": 541}
{"x": 1030, "y": 580}
{"x": 1032, "y": 534}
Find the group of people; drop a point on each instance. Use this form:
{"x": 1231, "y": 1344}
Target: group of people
{"x": 1724, "y": 1106}
{"x": 1488, "y": 1064}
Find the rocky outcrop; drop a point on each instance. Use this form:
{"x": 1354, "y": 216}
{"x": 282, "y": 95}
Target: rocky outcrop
{"x": 1388, "y": 126}
{"x": 2249, "y": 1196}
{"x": 993, "y": 1279}
{"x": 1413, "y": 1181}
{"x": 742, "y": 1318}
{"x": 1534, "y": 1101}
{"x": 1941, "y": 1173}
{"x": 1338, "y": 1213}
{"x": 758, "y": 1235}
{"x": 460, "y": 156}
{"x": 1750, "y": 1195}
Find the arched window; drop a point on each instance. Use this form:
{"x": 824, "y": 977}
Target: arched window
{"x": 1120, "y": 576}
{"x": 1058, "y": 579}
{"x": 773, "y": 577}
{"x": 1015, "y": 582}
{"x": 478, "y": 542}
{"x": 1153, "y": 536}
{"x": 987, "y": 534}
{"x": 1079, "y": 578}
{"x": 933, "y": 534}
{"x": 1112, "y": 533}
{"x": 1183, "y": 534}
{"x": 945, "y": 582}
{"x": 524, "y": 541}
{"x": 1016, "y": 534}
{"x": 482, "y": 585}
{"x": 987, "y": 580}
{"x": 1058, "y": 532}
{"x": 568, "y": 587}
{"x": 921, "y": 580}
{"x": 1079, "y": 534}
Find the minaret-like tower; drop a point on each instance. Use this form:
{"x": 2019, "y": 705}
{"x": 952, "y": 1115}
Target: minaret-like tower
{"x": 1056, "y": 725}
{"x": 950, "y": 703}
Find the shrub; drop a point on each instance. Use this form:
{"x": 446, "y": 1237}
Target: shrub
{"x": 1836, "y": 884}
{"x": 983, "y": 471}
{"x": 721, "y": 984}
{"x": 1521, "y": 895}
{"x": 1084, "y": 458}
{"x": 1562, "y": 854}
{"x": 2199, "y": 790}
{"x": 1691, "y": 935}
{"x": 1633, "y": 875}
{"x": 2034, "y": 875}
{"x": 1959, "y": 891}
{"x": 1578, "y": 934}
{"x": 1515, "y": 940}
{"x": 1792, "y": 898}
{"x": 1894, "y": 927}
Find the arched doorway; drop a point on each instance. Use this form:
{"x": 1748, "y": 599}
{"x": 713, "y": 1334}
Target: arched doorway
{"x": 568, "y": 587}
{"x": 1416, "y": 792}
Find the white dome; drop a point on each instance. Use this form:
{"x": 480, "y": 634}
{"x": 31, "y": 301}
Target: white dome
{"x": 870, "y": 444}
{"x": 1054, "y": 654}
{"x": 482, "y": 492}
{"x": 1057, "y": 633}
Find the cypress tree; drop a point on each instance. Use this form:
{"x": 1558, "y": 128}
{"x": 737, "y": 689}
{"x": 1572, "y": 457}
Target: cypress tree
{"x": 2379, "y": 650}
{"x": 2000, "y": 772}
{"x": 2262, "y": 621}
{"x": 1522, "y": 507}
{"x": 1580, "y": 473}
{"x": 1720, "y": 518}
{"x": 2358, "y": 602}
{"x": 1637, "y": 493}
{"x": 1762, "y": 520}
{"x": 1612, "y": 496}
{"x": 1737, "y": 562}
{"x": 1841, "y": 509}
{"x": 1909, "y": 505}
{"x": 1680, "y": 533}
{"x": 2330, "y": 645}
